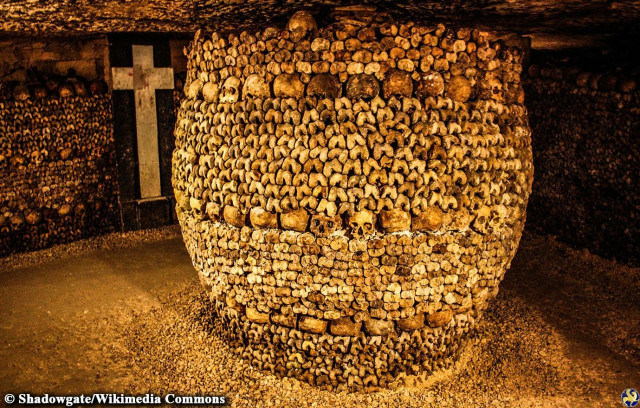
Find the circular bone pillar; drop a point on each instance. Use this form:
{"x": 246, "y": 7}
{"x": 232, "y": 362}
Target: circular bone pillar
{"x": 351, "y": 195}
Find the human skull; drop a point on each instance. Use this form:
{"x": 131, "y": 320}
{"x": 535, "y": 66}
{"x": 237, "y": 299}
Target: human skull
{"x": 430, "y": 84}
{"x": 33, "y": 217}
{"x": 233, "y": 216}
{"x": 397, "y": 83}
{"x": 324, "y": 86}
{"x": 97, "y": 87}
{"x": 255, "y": 87}
{"x": 461, "y": 220}
{"x": 296, "y": 220}
{"x": 498, "y": 217}
{"x": 192, "y": 90}
{"x": 362, "y": 86}
{"x": 210, "y": 92}
{"x": 21, "y": 93}
{"x": 303, "y": 22}
{"x": 66, "y": 90}
{"x": 394, "y": 220}
{"x": 64, "y": 210}
{"x": 362, "y": 224}
{"x": 52, "y": 84}
{"x": 79, "y": 88}
{"x": 40, "y": 92}
{"x": 481, "y": 222}
{"x": 263, "y": 219}
{"x": 288, "y": 86}
{"x": 230, "y": 90}
{"x": 16, "y": 221}
{"x": 428, "y": 220}
{"x": 459, "y": 89}
{"x": 323, "y": 226}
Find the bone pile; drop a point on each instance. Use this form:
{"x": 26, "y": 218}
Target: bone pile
{"x": 351, "y": 195}
{"x": 45, "y": 87}
{"x": 57, "y": 171}
{"x": 587, "y": 127}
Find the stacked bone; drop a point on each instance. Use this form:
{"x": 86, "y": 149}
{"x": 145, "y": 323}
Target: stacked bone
{"x": 57, "y": 171}
{"x": 351, "y": 195}
{"x": 45, "y": 87}
{"x": 588, "y": 141}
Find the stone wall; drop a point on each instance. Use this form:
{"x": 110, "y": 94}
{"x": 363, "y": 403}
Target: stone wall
{"x": 586, "y": 141}
{"x": 57, "y": 151}
{"x": 57, "y": 171}
{"x": 88, "y": 57}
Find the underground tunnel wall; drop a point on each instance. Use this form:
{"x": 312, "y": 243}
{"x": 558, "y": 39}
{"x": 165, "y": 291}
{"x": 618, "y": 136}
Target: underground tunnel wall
{"x": 57, "y": 172}
{"x": 586, "y": 146}
{"x": 63, "y": 163}
{"x": 58, "y": 179}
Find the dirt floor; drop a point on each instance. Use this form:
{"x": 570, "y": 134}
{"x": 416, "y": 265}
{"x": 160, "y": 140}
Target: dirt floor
{"x": 124, "y": 313}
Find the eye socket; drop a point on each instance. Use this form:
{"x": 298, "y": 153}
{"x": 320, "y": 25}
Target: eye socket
{"x": 316, "y": 222}
{"x": 368, "y": 224}
{"x": 330, "y": 224}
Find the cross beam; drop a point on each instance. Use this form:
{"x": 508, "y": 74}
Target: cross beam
{"x": 143, "y": 78}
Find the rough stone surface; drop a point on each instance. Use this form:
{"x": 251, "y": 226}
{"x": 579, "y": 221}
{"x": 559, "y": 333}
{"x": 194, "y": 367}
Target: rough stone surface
{"x": 57, "y": 171}
{"x": 587, "y": 126}
{"x": 550, "y": 23}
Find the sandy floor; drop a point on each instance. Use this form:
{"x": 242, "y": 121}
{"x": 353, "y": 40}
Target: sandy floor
{"x": 125, "y": 314}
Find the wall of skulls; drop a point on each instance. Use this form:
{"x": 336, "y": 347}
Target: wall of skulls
{"x": 587, "y": 144}
{"x": 57, "y": 171}
{"x": 351, "y": 195}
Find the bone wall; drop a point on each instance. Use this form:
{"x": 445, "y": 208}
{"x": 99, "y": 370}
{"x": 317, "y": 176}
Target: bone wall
{"x": 57, "y": 171}
{"x": 586, "y": 133}
{"x": 351, "y": 195}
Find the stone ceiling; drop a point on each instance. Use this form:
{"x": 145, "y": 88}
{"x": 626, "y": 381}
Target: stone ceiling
{"x": 552, "y": 24}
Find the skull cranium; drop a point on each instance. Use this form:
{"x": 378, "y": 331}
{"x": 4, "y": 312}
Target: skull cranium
{"x": 362, "y": 86}
{"x": 362, "y": 224}
{"x": 230, "y": 90}
{"x": 16, "y": 221}
{"x": 397, "y": 83}
{"x": 325, "y": 86}
{"x": 303, "y": 22}
{"x": 458, "y": 89}
{"x": 430, "y": 84}
{"x": 255, "y": 87}
{"x": 288, "y": 86}
{"x": 480, "y": 223}
{"x": 323, "y": 226}
{"x": 210, "y": 91}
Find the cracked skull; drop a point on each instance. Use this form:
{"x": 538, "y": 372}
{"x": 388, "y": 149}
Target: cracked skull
{"x": 255, "y": 87}
{"x": 361, "y": 224}
{"x": 323, "y": 226}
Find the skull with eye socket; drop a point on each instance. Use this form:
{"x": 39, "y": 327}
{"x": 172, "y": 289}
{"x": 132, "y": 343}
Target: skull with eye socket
{"x": 362, "y": 224}
{"x": 323, "y": 226}
{"x": 481, "y": 222}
